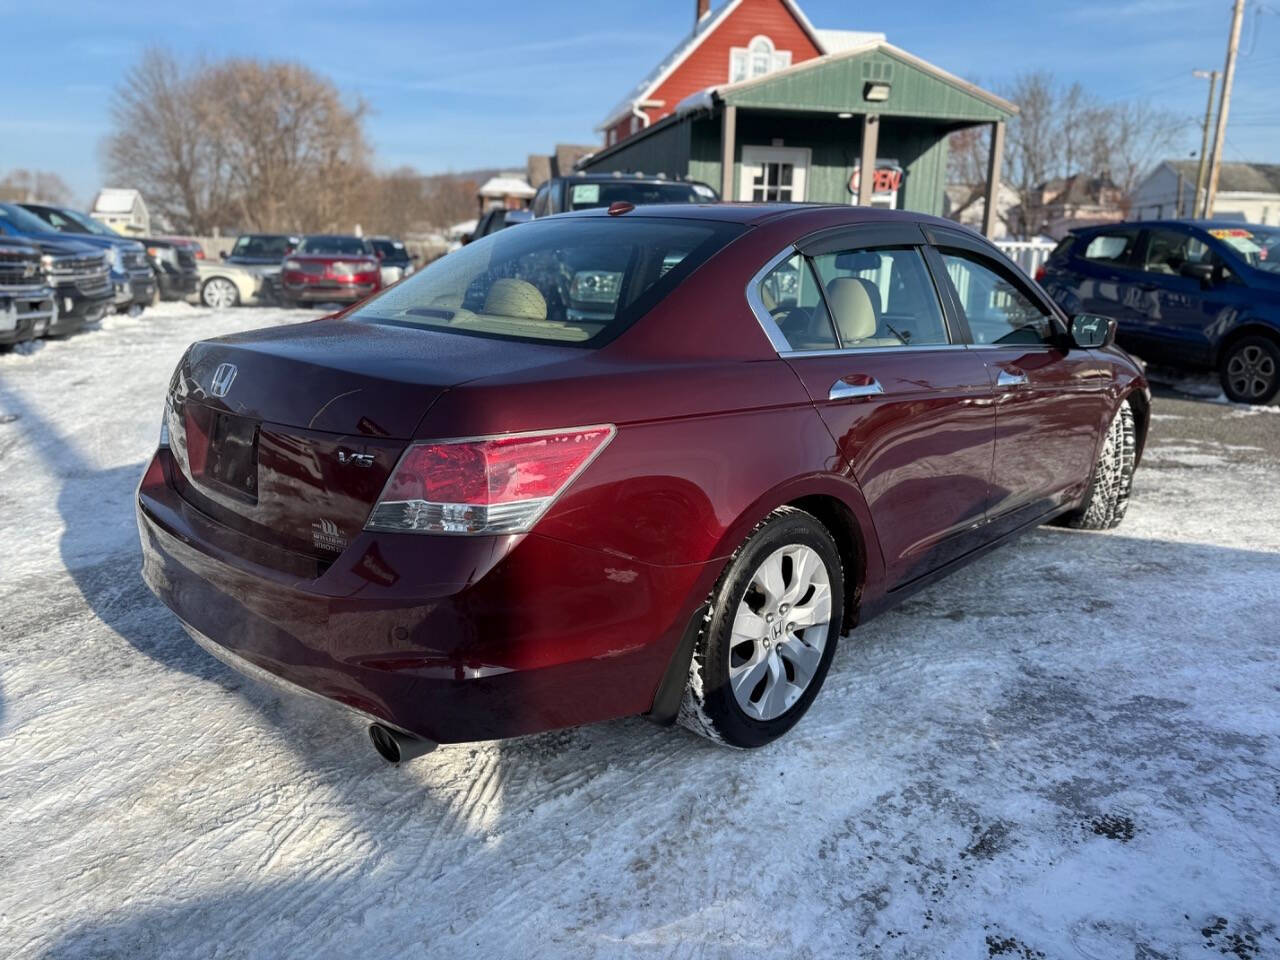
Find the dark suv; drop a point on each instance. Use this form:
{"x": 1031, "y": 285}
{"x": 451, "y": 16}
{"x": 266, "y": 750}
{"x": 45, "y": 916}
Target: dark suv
{"x": 26, "y": 299}
{"x": 132, "y": 279}
{"x": 583, "y": 191}
{"x": 1192, "y": 294}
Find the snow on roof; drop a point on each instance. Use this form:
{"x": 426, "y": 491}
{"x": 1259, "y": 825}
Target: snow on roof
{"x": 115, "y": 200}
{"x": 828, "y": 41}
{"x": 507, "y": 185}
{"x": 835, "y": 41}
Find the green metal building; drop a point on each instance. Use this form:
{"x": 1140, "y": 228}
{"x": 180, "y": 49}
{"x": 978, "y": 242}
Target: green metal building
{"x": 807, "y": 132}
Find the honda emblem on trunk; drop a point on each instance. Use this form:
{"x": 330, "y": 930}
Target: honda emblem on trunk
{"x": 222, "y": 379}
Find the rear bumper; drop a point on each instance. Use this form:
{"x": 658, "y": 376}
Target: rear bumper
{"x": 448, "y": 638}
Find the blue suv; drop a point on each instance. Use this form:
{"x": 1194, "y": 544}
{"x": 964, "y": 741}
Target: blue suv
{"x": 1196, "y": 294}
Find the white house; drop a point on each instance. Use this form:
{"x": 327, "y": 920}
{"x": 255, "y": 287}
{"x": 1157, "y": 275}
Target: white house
{"x": 123, "y": 211}
{"x": 1246, "y": 191}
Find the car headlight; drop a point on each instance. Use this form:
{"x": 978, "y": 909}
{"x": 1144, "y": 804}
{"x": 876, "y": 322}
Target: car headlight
{"x": 117, "y": 259}
{"x": 46, "y": 263}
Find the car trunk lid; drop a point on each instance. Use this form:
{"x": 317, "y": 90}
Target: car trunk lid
{"x": 289, "y": 434}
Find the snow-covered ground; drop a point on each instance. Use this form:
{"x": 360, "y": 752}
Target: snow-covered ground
{"x": 1069, "y": 749}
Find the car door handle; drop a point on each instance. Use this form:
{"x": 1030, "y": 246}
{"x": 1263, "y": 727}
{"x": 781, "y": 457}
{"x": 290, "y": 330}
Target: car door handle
{"x": 1006, "y": 378}
{"x": 863, "y": 386}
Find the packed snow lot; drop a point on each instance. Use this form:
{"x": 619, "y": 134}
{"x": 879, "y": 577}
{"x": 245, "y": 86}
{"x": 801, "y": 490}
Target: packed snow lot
{"x": 1069, "y": 749}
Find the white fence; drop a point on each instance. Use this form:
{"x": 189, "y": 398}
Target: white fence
{"x": 1028, "y": 254}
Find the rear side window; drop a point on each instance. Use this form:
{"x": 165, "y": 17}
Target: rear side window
{"x": 998, "y": 311}
{"x": 1114, "y": 246}
{"x": 882, "y": 298}
{"x": 791, "y": 295}
{"x": 574, "y": 281}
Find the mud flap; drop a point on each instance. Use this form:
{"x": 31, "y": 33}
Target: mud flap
{"x": 666, "y": 702}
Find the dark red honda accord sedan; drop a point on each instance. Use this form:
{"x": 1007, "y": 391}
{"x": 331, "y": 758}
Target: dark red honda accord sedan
{"x": 638, "y": 461}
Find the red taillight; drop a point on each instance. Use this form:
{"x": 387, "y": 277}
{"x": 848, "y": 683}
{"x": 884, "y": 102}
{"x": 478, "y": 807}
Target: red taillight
{"x": 1040, "y": 274}
{"x": 486, "y": 485}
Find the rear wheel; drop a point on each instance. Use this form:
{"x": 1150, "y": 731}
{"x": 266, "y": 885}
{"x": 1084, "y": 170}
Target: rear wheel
{"x": 1107, "y": 500}
{"x": 219, "y": 293}
{"x": 767, "y": 644}
{"x": 1250, "y": 370}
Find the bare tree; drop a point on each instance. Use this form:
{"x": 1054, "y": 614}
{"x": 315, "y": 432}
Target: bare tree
{"x": 296, "y": 154}
{"x": 1061, "y": 131}
{"x": 35, "y": 186}
{"x": 166, "y": 145}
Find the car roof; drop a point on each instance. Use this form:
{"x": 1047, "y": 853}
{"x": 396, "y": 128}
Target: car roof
{"x": 800, "y": 215}
{"x": 1199, "y": 223}
{"x": 625, "y": 178}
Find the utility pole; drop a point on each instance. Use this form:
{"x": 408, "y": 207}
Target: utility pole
{"x": 1229, "y": 74}
{"x": 1198, "y": 198}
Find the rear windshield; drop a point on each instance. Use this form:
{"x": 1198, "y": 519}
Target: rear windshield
{"x": 1257, "y": 246}
{"x": 583, "y": 196}
{"x": 575, "y": 281}
{"x": 341, "y": 246}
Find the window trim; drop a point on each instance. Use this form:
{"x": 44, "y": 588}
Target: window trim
{"x": 958, "y": 334}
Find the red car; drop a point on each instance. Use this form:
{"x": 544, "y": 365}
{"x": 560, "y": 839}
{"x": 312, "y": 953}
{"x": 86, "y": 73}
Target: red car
{"x": 330, "y": 269}
{"x": 636, "y": 461}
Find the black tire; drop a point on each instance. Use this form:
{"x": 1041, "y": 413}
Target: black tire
{"x": 1250, "y": 370}
{"x": 1107, "y": 499}
{"x": 710, "y": 707}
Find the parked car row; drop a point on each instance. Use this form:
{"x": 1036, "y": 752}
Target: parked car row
{"x": 292, "y": 270}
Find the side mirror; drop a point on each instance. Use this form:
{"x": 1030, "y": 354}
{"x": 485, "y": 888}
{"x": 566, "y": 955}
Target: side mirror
{"x": 1091, "y": 331}
{"x": 1198, "y": 271}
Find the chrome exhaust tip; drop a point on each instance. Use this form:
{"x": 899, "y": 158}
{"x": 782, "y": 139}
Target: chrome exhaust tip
{"x": 395, "y": 747}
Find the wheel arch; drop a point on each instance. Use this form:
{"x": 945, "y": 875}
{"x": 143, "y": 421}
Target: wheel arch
{"x": 1140, "y": 403}
{"x": 838, "y": 504}
{"x": 1247, "y": 328}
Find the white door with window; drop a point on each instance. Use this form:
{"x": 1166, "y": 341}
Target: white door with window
{"x": 774, "y": 174}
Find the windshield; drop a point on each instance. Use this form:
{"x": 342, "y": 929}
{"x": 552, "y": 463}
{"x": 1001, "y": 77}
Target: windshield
{"x": 89, "y": 224}
{"x": 1257, "y": 246}
{"x": 583, "y": 196}
{"x": 341, "y": 246}
{"x": 390, "y": 249}
{"x": 262, "y": 246}
{"x": 17, "y": 220}
{"x": 576, "y": 281}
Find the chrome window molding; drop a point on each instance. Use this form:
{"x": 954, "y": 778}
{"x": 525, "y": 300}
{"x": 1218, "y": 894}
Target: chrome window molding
{"x": 779, "y": 340}
{"x": 763, "y": 317}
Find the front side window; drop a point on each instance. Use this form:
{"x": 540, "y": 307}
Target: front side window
{"x": 998, "y": 311}
{"x": 1113, "y": 247}
{"x": 791, "y": 295}
{"x": 882, "y": 298}
{"x": 574, "y": 281}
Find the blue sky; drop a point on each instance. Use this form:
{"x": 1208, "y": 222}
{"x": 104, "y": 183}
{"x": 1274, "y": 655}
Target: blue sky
{"x": 462, "y": 85}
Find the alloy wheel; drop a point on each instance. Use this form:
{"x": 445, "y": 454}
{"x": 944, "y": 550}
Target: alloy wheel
{"x": 1251, "y": 371}
{"x": 780, "y": 630}
{"x": 219, "y": 293}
